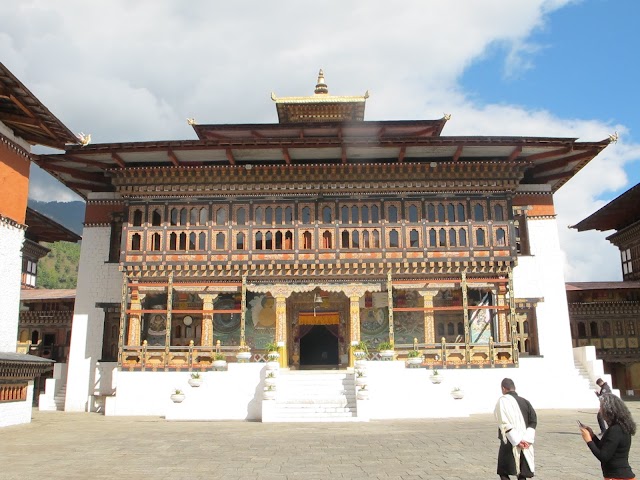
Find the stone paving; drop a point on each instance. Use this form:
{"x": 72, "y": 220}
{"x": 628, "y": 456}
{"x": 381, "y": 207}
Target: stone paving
{"x": 59, "y": 445}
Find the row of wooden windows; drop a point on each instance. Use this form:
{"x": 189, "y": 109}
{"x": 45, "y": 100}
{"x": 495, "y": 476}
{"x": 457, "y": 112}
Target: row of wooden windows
{"x": 434, "y": 212}
{"x": 606, "y": 331}
{"x": 283, "y": 240}
{"x": 13, "y": 393}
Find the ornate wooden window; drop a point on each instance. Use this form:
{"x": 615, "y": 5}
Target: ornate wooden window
{"x": 220, "y": 241}
{"x": 606, "y": 329}
{"x": 279, "y": 215}
{"x": 432, "y": 238}
{"x": 498, "y": 213}
{"x": 392, "y": 214}
{"x": 192, "y": 241}
{"x": 393, "y": 239}
{"x": 365, "y": 239}
{"x": 327, "y": 215}
{"x": 344, "y": 214}
{"x": 478, "y": 212}
{"x": 306, "y": 215}
{"x": 288, "y": 215}
{"x": 431, "y": 213}
{"x": 414, "y": 238}
{"x": 183, "y": 216}
{"x": 115, "y": 237}
{"x": 345, "y": 239}
{"x": 155, "y": 242}
{"x": 194, "y": 214}
{"x": 268, "y": 216}
{"x": 462, "y": 236}
{"x": 631, "y": 327}
{"x": 451, "y": 212}
{"x": 202, "y": 241}
{"x": 137, "y": 218}
{"x": 288, "y": 240}
{"x": 452, "y": 237}
{"x": 618, "y": 328}
{"x": 521, "y": 234}
{"x": 183, "y": 241}
{"x": 376, "y": 239}
{"x": 355, "y": 239}
{"x": 278, "y": 240}
{"x": 173, "y": 241}
{"x": 461, "y": 213}
{"x": 156, "y": 218}
{"x": 500, "y": 237}
{"x": 259, "y": 241}
{"x": 221, "y": 216}
{"x": 203, "y": 216}
{"x": 451, "y": 328}
{"x": 440, "y": 209}
{"x": 627, "y": 263}
{"x": 240, "y": 241}
{"x": 593, "y": 326}
{"x": 355, "y": 214}
{"x": 135, "y": 242}
{"x": 582, "y": 330}
{"x": 241, "y": 216}
{"x": 442, "y": 237}
{"x": 258, "y": 216}
{"x": 413, "y": 214}
{"x": 326, "y": 239}
{"x": 375, "y": 214}
{"x": 480, "y": 237}
{"x": 173, "y": 220}
{"x": 365, "y": 214}
{"x": 306, "y": 241}
{"x": 268, "y": 241}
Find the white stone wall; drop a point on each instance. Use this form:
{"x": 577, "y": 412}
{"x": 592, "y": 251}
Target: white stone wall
{"x": 98, "y": 281}
{"x": 11, "y": 238}
{"x": 541, "y": 275}
{"x": 16, "y": 413}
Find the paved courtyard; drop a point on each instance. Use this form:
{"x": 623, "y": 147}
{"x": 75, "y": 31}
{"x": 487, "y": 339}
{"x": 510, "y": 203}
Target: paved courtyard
{"x": 60, "y": 445}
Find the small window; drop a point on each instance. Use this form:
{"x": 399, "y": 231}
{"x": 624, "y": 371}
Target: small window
{"x": 365, "y": 214}
{"x": 441, "y": 217}
{"x": 606, "y": 329}
{"x": 137, "y": 218}
{"x": 344, "y": 214}
{"x": 268, "y": 215}
{"x": 268, "y": 241}
{"x": 631, "y": 327}
{"x": 452, "y": 237}
{"x": 193, "y": 216}
{"x": 431, "y": 213}
{"x": 183, "y": 216}
{"x": 376, "y": 239}
{"x": 326, "y": 239}
{"x": 288, "y": 240}
{"x": 192, "y": 241}
{"x": 241, "y": 216}
{"x": 258, "y": 215}
{"x": 326, "y": 215}
{"x": 203, "y": 216}
{"x": 500, "y": 237}
{"x": 450, "y": 329}
{"x": 441, "y": 329}
{"x": 355, "y": 239}
{"x": 365, "y": 240}
{"x": 355, "y": 215}
{"x": 345, "y": 239}
{"x": 461, "y": 215}
{"x": 375, "y": 214}
{"x": 593, "y": 326}
{"x": 451, "y": 212}
{"x": 414, "y": 238}
{"x": 279, "y": 215}
{"x": 202, "y": 241}
{"x": 221, "y": 216}
{"x": 240, "y": 241}
{"x": 173, "y": 241}
{"x": 220, "y": 241}
{"x": 480, "y": 238}
{"x": 174, "y": 217}
{"x": 413, "y": 213}
{"x": 306, "y": 215}
{"x": 432, "y": 238}
{"x": 278, "y": 240}
{"x": 462, "y": 236}
{"x": 393, "y": 214}
{"x": 155, "y": 242}
{"x": 156, "y": 218}
{"x": 306, "y": 240}
{"x": 393, "y": 239}
{"x": 442, "y": 238}
{"x": 135, "y": 242}
{"x": 183, "y": 241}
{"x": 498, "y": 213}
{"x": 478, "y": 213}
{"x": 259, "y": 241}
{"x": 288, "y": 215}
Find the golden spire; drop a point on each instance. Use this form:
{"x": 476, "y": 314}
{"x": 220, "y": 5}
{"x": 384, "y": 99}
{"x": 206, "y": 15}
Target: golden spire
{"x": 321, "y": 87}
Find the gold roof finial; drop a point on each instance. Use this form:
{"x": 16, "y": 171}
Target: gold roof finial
{"x": 321, "y": 87}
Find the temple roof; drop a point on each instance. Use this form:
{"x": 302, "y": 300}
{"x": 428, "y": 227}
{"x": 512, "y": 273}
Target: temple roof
{"x": 618, "y": 214}
{"x": 29, "y": 119}
{"x": 41, "y": 228}
{"x": 40, "y": 294}
{"x": 320, "y": 107}
{"x": 579, "y": 286}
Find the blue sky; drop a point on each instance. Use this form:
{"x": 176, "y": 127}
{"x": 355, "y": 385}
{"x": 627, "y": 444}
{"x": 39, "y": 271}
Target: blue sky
{"x": 584, "y": 63}
{"x": 564, "y": 68}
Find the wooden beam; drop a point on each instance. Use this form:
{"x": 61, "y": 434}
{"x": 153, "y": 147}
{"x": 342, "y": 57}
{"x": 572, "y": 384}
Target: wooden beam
{"x": 229, "y": 153}
{"x": 456, "y": 156}
{"x": 381, "y": 132}
{"x": 424, "y": 131}
{"x": 83, "y": 161}
{"x": 256, "y": 134}
{"x": 343, "y": 154}
{"x": 90, "y": 176}
{"x": 174, "y": 159}
{"x": 562, "y": 162}
{"x": 403, "y": 152}
{"x": 21, "y": 105}
{"x": 118, "y": 159}
{"x": 515, "y": 154}
{"x": 555, "y": 176}
{"x": 90, "y": 187}
{"x": 216, "y": 135}
{"x": 8, "y": 117}
{"x": 549, "y": 154}
{"x": 287, "y": 157}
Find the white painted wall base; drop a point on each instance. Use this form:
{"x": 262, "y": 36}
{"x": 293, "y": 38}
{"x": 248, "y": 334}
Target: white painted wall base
{"x": 46, "y": 400}
{"x": 17, "y": 413}
{"x": 586, "y": 356}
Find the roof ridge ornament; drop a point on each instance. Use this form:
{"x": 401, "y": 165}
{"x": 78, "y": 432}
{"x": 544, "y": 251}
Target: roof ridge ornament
{"x": 446, "y": 116}
{"x": 321, "y": 86}
{"x": 84, "y": 139}
{"x": 613, "y": 138}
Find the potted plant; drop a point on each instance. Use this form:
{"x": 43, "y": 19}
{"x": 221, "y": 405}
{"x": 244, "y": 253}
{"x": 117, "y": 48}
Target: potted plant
{"x": 386, "y": 350}
{"x": 270, "y": 379}
{"x": 269, "y": 392}
{"x": 361, "y": 377}
{"x": 219, "y": 361}
{"x": 414, "y": 357}
{"x": 195, "y": 380}
{"x": 360, "y": 350}
{"x": 243, "y": 354}
{"x": 435, "y": 376}
{"x": 362, "y": 393}
{"x": 457, "y": 393}
{"x": 177, "y": 396}
{"x": 272, "y": 351}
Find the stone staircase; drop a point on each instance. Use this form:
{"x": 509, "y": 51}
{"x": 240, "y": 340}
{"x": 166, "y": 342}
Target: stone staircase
{"x": 59, "y": 397}
{"x": 583, "y": 373}
{"x": 313, "y": 396}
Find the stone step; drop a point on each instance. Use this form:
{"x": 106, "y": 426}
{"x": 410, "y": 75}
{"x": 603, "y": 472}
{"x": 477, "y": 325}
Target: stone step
{"x": 292, "y": 410}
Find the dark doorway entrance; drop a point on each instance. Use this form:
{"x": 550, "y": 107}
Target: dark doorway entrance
{"x": 318, "y": 347}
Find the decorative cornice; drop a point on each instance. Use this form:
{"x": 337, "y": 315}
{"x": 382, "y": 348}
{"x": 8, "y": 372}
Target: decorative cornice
{"x": 8, "y": 222}
{"x": 15, "y": 147}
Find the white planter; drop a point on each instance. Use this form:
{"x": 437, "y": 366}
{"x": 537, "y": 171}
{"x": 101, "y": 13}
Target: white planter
{"x": 360, "y": 381}
{"x": 414, "y": 361}
{"x": 360, "y": 364}
{"x": 273, "y": 365}
{"x": 177, "y": 397}
{"x": 363, "y": 395}
{"x": 436, "y": 378}
{"x": 386, "y": 354}
{"x": 269, "y": 395}
{"x": 359, "y": 354}
{"x": 219, "y": 364}
{"x": 272, "y": 356}
{"x": 270, "y": 381}
{"x": 243, "y": 357}
{"x": 195, "y": 382}
{"x": 457, "y": 394}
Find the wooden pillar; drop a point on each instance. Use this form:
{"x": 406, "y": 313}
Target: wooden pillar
{"x": 133, "y": 338}
{"x": 465, "y": 316}
{"x": 167, "y": 338}
{"x": 502, "y": 314}
{"x": 243, "y": 313}
{"x": 512, "y": 320}
{"x": 429, "y": 315}
{"x": 390, "y": 300}
{"x": 281, "y": 329}
{"x": 206, "y": 339}
{"x": 123, "y": 318}
{"x": 354, "y": 316}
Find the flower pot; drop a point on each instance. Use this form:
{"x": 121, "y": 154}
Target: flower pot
{"x": 386, "y": 354}
{"x": 243, "y": 357}
{"x": 359, "y": 354}
{"x": 195, "y": 382}
{"x": 270, "y": 381}
{"x": 269, "y": 395}
{"x": 219, "y": 364}
{"x": 362, "y": 394}
{"x": 177, "y": 397}
{"x": 273, "y": 365}
{"x": 361, "y": 381}
{"x": 457, "y": 394}
{"x": 273, "y": 356}
{"x": 414, "y": 361}
{"x": 436, "y": 378}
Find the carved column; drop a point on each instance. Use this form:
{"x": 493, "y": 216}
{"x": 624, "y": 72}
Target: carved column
{"x": 390, "y": 300}
{"x": 354, "y": 292}
{"x": 503, "y": 327}
{"x": 429, "y": 315}
{"x": 281, "y": 328}
{"x": 135, "y": 316}
{"x": 207, "y": 318}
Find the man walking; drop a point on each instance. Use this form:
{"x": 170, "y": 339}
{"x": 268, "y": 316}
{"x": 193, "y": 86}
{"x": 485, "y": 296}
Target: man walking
{"x": 517, "y": 422}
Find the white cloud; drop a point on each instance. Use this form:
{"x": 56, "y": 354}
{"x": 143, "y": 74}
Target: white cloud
{"x": 126, "y": 71}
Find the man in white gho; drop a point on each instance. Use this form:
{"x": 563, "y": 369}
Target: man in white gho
{"x": 517, "y": 422}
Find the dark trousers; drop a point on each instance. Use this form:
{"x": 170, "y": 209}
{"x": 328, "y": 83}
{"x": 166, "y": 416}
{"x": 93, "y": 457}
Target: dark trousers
{"x": 601, "y": 423}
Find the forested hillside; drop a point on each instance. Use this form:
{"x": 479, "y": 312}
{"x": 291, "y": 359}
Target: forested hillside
{"x": 59, "y": 269}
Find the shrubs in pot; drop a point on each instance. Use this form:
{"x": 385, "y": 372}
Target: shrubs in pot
{"x": 414, "y": 357}
{"x": 386, "y": 350}
{"x": 177, "y": 396}
{"x": 243, "y": 354}
{"x": 195, "y": 380}
{"x": 272, "y": 351}
{"x": 360, "y": 350}
{"x": 219, "y": 361}
{"x": 269, "y": 392}
{"x": 457, "y": 393}
{"x": 436, "y": 377}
